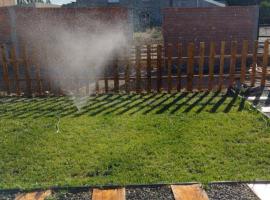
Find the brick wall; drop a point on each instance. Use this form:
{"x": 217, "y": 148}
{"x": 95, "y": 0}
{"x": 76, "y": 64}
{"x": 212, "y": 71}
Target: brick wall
{"x": 210, "y": 24}
{"x": 16, "y": 21}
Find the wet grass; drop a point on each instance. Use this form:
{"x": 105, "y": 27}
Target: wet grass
{"x": 131, "y": 139}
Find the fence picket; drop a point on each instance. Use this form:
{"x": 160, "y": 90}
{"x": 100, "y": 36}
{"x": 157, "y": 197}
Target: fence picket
{"x": 106, "y": 83}
{"x": 233, "y": 63}
{"x": 159, "y": 68}
{"x": 169, "y": 55}
{"x": 138, "y": 69}
{"x": 190, "y": 66}
{"x": 254, "y": 63}
{"x": 149, "y": 83}
{"x": 221, "y": 63}
{"x": 116, "y": 76}
{"x": 211, "y": 65}
{"x": 15, "y": 64}
{"x": 244, "y": 61}
{"x": 179, "y": 66}
{"x": 265, "y": 62}
{"x": 5, "y": 69}
{"x": 201, "y": 64}
{"x": 127, "y": 76}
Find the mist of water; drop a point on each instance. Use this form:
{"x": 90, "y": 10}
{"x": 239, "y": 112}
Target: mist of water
{"x": 83, "y": 50}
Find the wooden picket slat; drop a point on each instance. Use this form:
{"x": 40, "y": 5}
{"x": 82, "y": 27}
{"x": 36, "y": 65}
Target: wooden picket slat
{"x": 169, "y": 68}
{"x": 37, "y": 71}
{"x": 233, "y": 63}
{"x": 149, "y": 83}
{"x": 265, "y": 62}
{"x": 221, "y": 64}
{"x": 127, "y": 77}
{"x": 14, "y": 61}
{"x": 116, "y": 76}
{"x": 97, "y": 84}
{"x": 5, "y": 69}
{"x": 190, "y": 66}
{"x": 211, "y": 65}
{"x": 159, "y": 68}
{"x": 201, "y": 65}
{"x": 27, "y": 72}
{"x": 106, "y": 82}
{"x": 244, "y": 61}
{"x": 179, "y": 67}
{"x": 138, "y": 69}
{"x": 254, "y": 63}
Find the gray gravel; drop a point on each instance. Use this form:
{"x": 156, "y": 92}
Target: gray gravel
{"x": 7, "y": 196}
{"x": 230, "y": 192}
{"x": 149, "y": 193}
{"x": 64, "y": 195}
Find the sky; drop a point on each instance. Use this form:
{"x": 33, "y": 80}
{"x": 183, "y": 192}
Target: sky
{"x": 60, "y": 2}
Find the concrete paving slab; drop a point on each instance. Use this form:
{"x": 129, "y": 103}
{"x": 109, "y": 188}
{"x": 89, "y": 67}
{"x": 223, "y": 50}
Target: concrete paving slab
{"x": 261, "y": 190}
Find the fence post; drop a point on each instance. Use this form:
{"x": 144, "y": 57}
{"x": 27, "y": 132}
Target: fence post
{"x": 116, "y": 76}
{"x": 233, "y": 63}
{"x": 27, "y": 72}
{"x": 244, "y": 61}
{"x": 106, "y": 84}
{"x": 16, "y": 70}
{"x": 254, "y": 63}
{"x": 159, "y": 68}
{"x": 221, "y": 64}
{"x": 127, "y": 74}
{"x": 149, "y": 83}
{"x": 169, "y": 57}
{"x": 201, "y": 65}
{"x": 179, "y": 66}
{"x": 211, "y": 65}
{"x": 265, "y": 62}
{"x": 97, "y": 83}
{"x": 190, "y": 67}
{"x": 138, "y": 69}
{"x": 37, "y": 69}
{"x": 5, "y": 69}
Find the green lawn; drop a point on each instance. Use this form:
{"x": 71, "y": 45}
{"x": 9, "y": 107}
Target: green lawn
{"x": 131, "y": 139}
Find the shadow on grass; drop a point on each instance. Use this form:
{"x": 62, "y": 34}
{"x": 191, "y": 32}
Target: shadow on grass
{"x": 120, "y": 104}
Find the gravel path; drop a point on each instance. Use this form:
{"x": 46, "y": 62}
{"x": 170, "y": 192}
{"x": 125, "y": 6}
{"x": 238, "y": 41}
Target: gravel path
{"x": 7, "y": 196}
{"x": 149, "y": 193}
{"x": 81, "y": 195}
{"x": 230, "y": 192}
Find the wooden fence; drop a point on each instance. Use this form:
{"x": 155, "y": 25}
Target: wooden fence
{"x": 145, "y": 69}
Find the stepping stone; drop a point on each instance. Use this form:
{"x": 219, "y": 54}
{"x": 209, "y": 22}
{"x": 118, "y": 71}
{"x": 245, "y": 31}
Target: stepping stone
{"x": 265, "y": 109}
{"x": 261, "y": 190}
{"x": 34, "y": 195}
{"x": 189, "y": 192}
{"x": 262, "y": 98}
{"x": 111, "y": 194}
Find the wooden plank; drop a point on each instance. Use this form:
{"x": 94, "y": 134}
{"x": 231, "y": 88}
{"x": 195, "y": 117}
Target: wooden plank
{"x": 254, "y": 63}
{"x": 201, "y": 65}
{"x": 159, "y": 68}
{"x": 244, "y": 61}
{"x": 42, "y": 195}
{"x": 116, "y": 76}
{"x": 188, "y": 192}
{"x": 15, "y": 65}
{"x": 106, "y": 82}
{"x": 265, "y": 62}
{"x": 148, "y": 69}
{"x": 27, "y": 72}
{"x": 190, "y": 66}
{"x": 233, "y": 63}
{"x": 179, "y": 66}
{"x": 169, "y": 54}
{"x": 37, "y": 71}
{"x": 110, "y": 194}
{"x": 211, "y": 65}
{"x": 138, "y": 69}
{"x": 5, "y": 69}
{"x": 221, "y": 64}
{"x": 97, "y": 84}
{"x": 127, "y": 76}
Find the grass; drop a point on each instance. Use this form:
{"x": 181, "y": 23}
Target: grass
{"x": 131, "y": 139}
